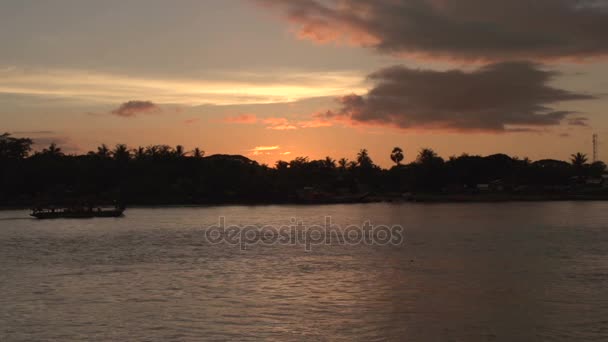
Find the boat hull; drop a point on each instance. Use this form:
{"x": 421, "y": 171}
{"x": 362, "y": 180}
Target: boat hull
{"x": 78, "y": 215}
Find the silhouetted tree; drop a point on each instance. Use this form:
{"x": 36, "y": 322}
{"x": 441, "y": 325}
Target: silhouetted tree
{"x": 159, "y": 152}
{"x": 281, "y": 165}
{"x": 597, "y": 169}
{"x": 397, "y": 156}
{"x": 103, "y": 151}
{"x": 298, "y": 162}
{"x": 428, "y": 171}
{"x": 364, "y": 160}
{"x": 121, "y": 153}
{"x": 156, "y": 176}
{"x": 578, "y": 160}
{"x": 14, "y": 148}
{"x": 427, "y": 156}
{"x": 139, "y": 153}
{"x": 329, "y": 163}
{"x": 165, "y": 151}
{"x": 52, "y": 151}
{"x": 197, "y": 153}
{"x": 152, "y": 151}
{"x": 179, "y": 151}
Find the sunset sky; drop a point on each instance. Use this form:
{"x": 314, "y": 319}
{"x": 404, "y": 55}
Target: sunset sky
{"x": 273, "y": 79}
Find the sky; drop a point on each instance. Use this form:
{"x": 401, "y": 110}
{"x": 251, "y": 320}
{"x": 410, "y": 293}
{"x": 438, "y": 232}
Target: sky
{"x": 274, "y": 80}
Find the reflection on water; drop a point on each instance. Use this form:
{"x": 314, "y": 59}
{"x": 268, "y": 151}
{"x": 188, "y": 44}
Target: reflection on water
{"x": 466, "y": 272}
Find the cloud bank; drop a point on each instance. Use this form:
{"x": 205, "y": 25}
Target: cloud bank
{"x": 491, "y": 30}
{"x": 134, "y": 108}
{"x": 501, "y": 97}
{"x": 220, "y": 88}
{"x": 265, "y": 148}
{"x": 242, "y": 119}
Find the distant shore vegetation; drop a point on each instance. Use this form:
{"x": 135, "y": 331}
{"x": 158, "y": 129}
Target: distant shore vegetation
{"x": 161, "y": 174}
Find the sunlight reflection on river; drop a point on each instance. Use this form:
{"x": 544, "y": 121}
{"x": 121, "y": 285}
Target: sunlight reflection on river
{"x": 466, "y": 272}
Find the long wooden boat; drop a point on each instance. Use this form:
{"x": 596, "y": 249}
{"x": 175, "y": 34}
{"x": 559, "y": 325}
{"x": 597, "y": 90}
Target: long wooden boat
{"x": 54, "y": 213}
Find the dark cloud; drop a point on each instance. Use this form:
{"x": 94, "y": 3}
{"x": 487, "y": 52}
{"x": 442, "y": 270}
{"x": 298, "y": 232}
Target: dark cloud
{"x": 133, "y": 108}
{"x": 493, "y": 30}
{"x": 523, "y": 130}
{"x": 579, "y": 121}
{"x": 33, "y": 132}
{"x": 503, "y": 97}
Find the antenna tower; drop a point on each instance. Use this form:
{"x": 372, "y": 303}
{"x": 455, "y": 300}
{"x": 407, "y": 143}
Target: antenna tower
{"x": 595, "y": 146}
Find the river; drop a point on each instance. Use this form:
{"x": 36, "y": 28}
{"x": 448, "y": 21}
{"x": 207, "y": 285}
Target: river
{"x": 460, "y": 272}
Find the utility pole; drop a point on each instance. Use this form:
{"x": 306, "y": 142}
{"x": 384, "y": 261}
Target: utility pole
{"x": 595, "y": 146}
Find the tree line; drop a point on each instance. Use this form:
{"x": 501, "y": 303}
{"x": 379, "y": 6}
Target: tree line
{"x": 162, "y": 174}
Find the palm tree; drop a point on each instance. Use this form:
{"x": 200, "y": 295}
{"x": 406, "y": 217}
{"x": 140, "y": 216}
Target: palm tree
{"x": 329, "y": 163}
{"x": 53, "y": 151}
{"x": 363, "y": 159}
{"x": 152, "y": 151}
{"x": 159, "y": 151}
{"x": 165, "y": 151}
{"x": 139, "y": 153}
{"x": 121, "y": 152}
{"x": 16, "y": 148}
{"x": 197, "y": 153}
{"x": 103, "y": 151}
{"x": 281, "y": 165}
{"x": 427, "y": 156}
{"x": 343, "y": 163}
{"x": 298, "y": 162}
{"x": 179, "y": 151}
{"x": 397, "y": 155}
{"x": 578, "y": 160}
{"x": 597, "y": 169}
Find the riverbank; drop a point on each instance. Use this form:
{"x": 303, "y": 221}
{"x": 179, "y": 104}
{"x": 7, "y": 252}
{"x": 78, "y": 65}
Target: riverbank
{"x": 409, "y": 198}
{"x": 498, "y": 197}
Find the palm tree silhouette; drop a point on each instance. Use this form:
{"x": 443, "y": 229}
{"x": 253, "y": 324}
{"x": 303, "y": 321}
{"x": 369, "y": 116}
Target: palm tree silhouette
{"x": 16, "y": 148}
{"x": 579, "y": 162}
{"x": 197, "y": 153}
{"x": 397, "y": 155}
{"x": 139, "y": 153}
{"x": 298, "y": 162}
{"x": 281, "y": 165}
{"x": 103, "y": 151}
{"x": 165, "y": 151}
{"x": 427, "y": 156}
{"x": 329, "y": 163}
{"x": 579, "y": 159}
{"x": 363, "y": 159}
{"x": 53, "y": 151}
{"x": 121, "y": 152}
{"x": 179, "y": 151}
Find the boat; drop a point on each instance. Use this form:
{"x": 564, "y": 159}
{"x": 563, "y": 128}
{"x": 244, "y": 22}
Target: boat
{"x": 77, "y": 212}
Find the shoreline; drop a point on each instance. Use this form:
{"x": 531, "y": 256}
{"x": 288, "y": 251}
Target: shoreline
{"x": 414, "y": 198}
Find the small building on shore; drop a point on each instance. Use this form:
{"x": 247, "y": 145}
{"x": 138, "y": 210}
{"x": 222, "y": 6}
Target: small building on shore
{"x": 483, "y": 187}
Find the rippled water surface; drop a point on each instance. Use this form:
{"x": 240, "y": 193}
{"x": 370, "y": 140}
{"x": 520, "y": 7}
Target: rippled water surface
{"x": 466, "y": 272}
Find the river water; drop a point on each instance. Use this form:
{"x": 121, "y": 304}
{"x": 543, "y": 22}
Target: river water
{"x": 463, "y": 272}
